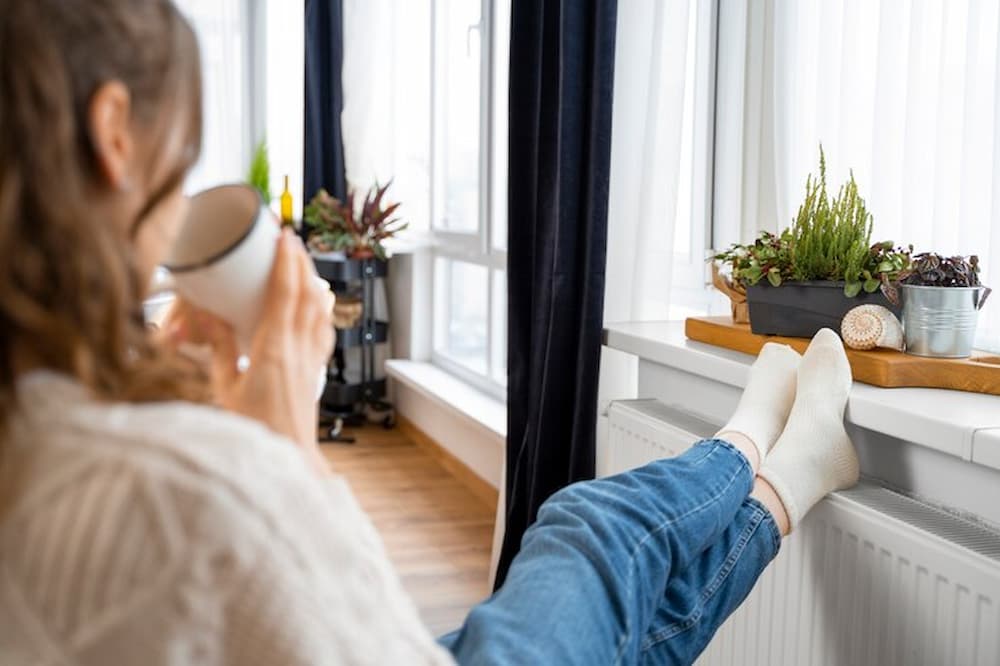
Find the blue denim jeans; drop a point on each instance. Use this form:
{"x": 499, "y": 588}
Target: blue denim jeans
{"x": 641, "y": 567}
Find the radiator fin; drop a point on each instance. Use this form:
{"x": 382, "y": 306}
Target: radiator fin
{"x": 933, "y": 520}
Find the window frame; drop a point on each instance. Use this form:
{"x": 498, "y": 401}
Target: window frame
{"x": 691, "y": 273}
{"x": 691, "y": 276}
{"x": 470, "y": 247}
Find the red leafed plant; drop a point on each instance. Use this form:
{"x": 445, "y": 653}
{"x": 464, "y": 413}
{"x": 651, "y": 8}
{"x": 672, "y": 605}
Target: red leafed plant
{"x": 358, "y": 231}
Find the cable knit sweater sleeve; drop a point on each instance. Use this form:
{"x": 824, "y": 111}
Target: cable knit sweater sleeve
{"x": 173, "y": 534}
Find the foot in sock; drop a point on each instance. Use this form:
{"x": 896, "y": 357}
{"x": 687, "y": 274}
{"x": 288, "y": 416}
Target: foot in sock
{"x": 767, "y": 398}
{"x": 814, "y": 455}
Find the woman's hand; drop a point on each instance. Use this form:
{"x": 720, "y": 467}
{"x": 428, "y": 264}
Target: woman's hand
{"x": 291, "y": 345}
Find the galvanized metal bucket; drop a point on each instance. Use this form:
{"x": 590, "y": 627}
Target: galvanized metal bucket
{"x": 941, "y": 321}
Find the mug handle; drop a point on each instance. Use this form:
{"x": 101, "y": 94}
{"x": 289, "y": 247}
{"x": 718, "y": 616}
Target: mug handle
{"x": 983, "y": 296}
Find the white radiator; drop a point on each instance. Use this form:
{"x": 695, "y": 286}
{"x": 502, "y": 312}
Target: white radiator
{"x": 641, "y": 431}
{"x": 872, "y": 578}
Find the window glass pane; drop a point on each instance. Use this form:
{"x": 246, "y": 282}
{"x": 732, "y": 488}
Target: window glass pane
{"x": 458, "y": 109}
{"x": 442, "y": 278}
{"x": 910, "y": 111}
{"x": 463, "y": 315}
{"x": 498, "y": 323}
{"x": 220, "y": 27}
{"x": 684, "y": 216}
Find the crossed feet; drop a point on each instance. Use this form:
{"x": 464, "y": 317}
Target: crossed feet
{"x": 790, "y": 426}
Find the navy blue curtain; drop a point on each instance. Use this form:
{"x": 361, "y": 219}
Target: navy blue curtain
{"x": 324, "y": 99}
{"x": 561, "y": 85}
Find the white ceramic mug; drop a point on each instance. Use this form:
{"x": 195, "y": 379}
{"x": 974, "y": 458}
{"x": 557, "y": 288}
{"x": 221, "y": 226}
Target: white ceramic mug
{"x": 222, "y": 257}
{"x": 221, "y": 260}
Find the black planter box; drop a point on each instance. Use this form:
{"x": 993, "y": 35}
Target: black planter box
{"x": 800, "y": 309}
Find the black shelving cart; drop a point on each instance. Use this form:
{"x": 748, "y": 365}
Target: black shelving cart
{"x": 355, "y": 393}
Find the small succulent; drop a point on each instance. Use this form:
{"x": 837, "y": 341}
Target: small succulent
{"x": 340, "y": 225}
{"x": 769, "y": 257}
{"x": 879, "y": 268}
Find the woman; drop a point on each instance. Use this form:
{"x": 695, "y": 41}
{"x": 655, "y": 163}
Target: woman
{"x": 138, "y": 526}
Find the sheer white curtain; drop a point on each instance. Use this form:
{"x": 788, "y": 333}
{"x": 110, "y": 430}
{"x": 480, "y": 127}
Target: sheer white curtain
{"x": 278, "y": 84}
{"x": 222, "y": 27}
{"x": 387, "y": 86}
{"x": 650, "y": 190}
{"x": 905, "y": 93}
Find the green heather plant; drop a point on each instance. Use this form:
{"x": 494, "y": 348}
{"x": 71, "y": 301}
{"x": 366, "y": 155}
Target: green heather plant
{"x": 829, "y": 240}
{"x": 829, "y": 236}
{"x": 259, "y": 174}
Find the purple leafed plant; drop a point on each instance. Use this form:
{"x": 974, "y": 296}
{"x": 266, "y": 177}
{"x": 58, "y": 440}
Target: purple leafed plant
{"x": 933, "y": 270}
{"x": 930, "y": 269}
{"x": 359, "y": 231}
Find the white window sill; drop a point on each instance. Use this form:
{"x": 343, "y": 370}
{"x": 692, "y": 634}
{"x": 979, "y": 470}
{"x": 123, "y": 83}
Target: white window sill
{"x": 478, "y": 408}
{"x": 965, "y": 425}
{"x": 409, "y": 242}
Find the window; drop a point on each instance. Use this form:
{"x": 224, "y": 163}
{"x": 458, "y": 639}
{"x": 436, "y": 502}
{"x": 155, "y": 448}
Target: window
{"x": 692, "y": 228}
{"x": 720, "y": 108}
{"x": 661, "y": 157}
{"x": 223, "y": 36}
{"x": 904, "y": 93}
{"x": 252, "y": 87}
{"x": 468, "y": 207}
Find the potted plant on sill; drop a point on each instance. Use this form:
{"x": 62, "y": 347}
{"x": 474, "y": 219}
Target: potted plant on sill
{"x": 811, "y": 274}
{"x": 259, "y": 173}
{"x": 941, "y": 298}
{"x": 358, "y": 231}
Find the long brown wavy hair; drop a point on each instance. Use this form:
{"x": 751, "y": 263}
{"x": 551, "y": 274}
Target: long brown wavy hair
{"x": 70, "y": 290}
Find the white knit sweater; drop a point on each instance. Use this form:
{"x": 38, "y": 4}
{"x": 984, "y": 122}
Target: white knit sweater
{"x": 176, "y": 534}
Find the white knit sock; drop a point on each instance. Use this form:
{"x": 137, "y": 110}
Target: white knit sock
{"x": 814, "y": 456}
{"x": 767, "y": 398}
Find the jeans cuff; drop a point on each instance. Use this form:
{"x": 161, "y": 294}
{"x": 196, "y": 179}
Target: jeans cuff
{"x": 715, "y": 442}
{"x": 768, "y": 523}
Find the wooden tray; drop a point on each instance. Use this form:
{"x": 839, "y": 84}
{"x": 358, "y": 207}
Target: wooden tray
{"x": 888, "y": 368}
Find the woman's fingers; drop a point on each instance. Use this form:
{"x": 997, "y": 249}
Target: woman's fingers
{"x": 205, "y": 339}
{"x": 284, "y": 284}
{"x": 225, "y": 356}
{"x": 316, "y": 300}
{"x": 322, "y": 331}
{"x": 186, "y": 324}
{"x": 314, "y": 311}
{"x": 171, "y": 328}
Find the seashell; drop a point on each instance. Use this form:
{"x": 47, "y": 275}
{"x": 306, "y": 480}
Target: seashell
{"x": 871, "y": 326}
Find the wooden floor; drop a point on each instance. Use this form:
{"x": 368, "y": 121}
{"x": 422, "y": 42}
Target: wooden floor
{"x": 437, "y": 532}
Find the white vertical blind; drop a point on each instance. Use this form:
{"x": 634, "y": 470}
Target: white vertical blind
{"x": 904, "y": 93}
{"x": 425, "y": 105}
{"x": 653, "y": 214}
{"x": 283, "y": 98}
{"x": 651, "y": 86}
{"x": 386, "y": 120}
{"x": 223, "y": 35}
{"x": 253, "y": 73}
{"x": 659, "y": 195}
